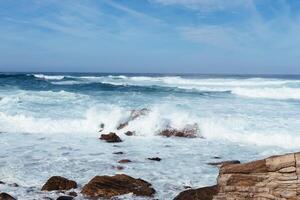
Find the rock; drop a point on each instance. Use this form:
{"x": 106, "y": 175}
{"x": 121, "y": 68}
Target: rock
{"x": 122, "y": 125}
{"x": 223, "y": 163}
{"x": 65, "y": 198}
{"x": 2, "y": 183}
{"x": 111, "y": 137}
{"x": 118, "y": 153}
{"x": 133, "y": 115}
{"x": 205, "y": 193}
{"x": 101, "y": 127}
{"x": 124, "y": 161}
{"x": 73, "y": 194}
{"x": 129, "y": 133}
{"x": 13, "y": 185}
{"x": 275, "y": 177}
{"x": 189, "y": 131}
{"x": 155, "y": 159}
{"x": 110, "y": 186}
{"x": 5, "y": 196}
{"x": 59, "y": 183}
{"x": 119, "y": 167}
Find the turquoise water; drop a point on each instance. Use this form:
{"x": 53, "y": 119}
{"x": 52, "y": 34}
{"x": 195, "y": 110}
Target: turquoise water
{"x": 50, "y": 124}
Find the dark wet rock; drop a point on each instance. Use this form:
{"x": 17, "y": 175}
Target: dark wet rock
{"x": 155, "y": 159}
{"x": 47, "y": 198}
{"x": 1, "y": 182}
{"x": 5, "y": 196}
{"x": 216, "y": 157}
{"x": 224, "y": 163}
{"x": 133, "y": 115}
{"x": 111, "y": 137}
{"x": 65, "y": 198}
{"x": 122, "y": 125}
{"x": 124, "y": 161}
{"x": 189, "y": 131}
{"x": 13, "y": 185}
{"x": 73, "y": 194}
{"x": 129, "y": 133}
{"x": 59, "y": 183}
{"x": 102, "y": 125}
{"x": 119, "y": 167}
{"x": 205, "y": 193}
{"x": 118, "y": 153}
{"x": 110, "y": 186}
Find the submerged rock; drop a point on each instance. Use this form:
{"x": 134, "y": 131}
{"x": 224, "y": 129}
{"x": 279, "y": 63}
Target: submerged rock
{"x": 59, "y": 183}
{"x": 65, "y": 198}
{"x": 110, "y": 186}
{"x": 5, "y": 196}
{"x": 155, "y": 159}
{"x": 189, "y": 131}
{"x": 118, "y": 153}
{"x": 111, "y": 137}
{"x": 129, "y": 133}
{"x": 124, "y": 161}
{"x": 205, "y": 193}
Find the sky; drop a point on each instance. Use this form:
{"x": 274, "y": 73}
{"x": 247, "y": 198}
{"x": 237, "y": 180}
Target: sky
{"x": 151, "y": 36}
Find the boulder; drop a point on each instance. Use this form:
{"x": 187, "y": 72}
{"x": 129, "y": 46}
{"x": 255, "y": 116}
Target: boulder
{"x": 110, "y": 186}
{"x": 155, "y": 159}
{"x": 111, "y": 138}
{"x": 5, "y": 196}
{"x": 2, "y": 183}
{"x": 59, "y": 183}
{"x": 189, "y": 131}
{"x": 205, "y": 193}
{"x": 275, "y": 178}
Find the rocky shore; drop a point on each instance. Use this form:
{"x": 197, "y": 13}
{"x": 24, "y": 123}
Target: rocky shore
{"x": 273, "y": 178}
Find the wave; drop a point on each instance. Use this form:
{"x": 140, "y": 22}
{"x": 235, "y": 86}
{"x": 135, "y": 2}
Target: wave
{"x": 160, "y": 116}
{"x": 269, "y": 93}
{"x": 49, "y": 77}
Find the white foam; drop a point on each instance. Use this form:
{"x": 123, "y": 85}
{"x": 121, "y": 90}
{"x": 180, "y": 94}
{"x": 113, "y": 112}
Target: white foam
{"x": 49, "y": 77}
{"x": 269, "y": 93}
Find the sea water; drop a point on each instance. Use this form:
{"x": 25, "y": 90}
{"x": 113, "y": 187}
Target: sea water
{"x": 50, "y": 124}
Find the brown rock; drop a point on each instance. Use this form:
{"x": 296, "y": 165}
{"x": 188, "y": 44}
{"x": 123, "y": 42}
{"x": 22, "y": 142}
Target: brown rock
{"x": 111, "y": 137}
{"x": 155, "y": 159}
{"x": 110, "y": 186}
{"x": 59, "y": 183}
{"x": 73, "y": 194}
{"x": 224, "y": 163}
{"x": 190, "y": 131}
{"x": 205, "y": 193}
{"x": 124, "y": 161}
{"x": 5, "y": 196}
{"x": 275, "y": 178}
{"x": 252, "y": 167}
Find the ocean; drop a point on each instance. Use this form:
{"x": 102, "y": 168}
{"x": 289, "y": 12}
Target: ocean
{"x": 50, "y": 122}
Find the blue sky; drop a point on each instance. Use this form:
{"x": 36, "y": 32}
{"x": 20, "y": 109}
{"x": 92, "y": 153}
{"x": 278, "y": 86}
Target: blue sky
{"x": 164, "y": 36}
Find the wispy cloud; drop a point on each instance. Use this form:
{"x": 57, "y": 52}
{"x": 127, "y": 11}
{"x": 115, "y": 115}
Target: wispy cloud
{"x": 206, "y": 5}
